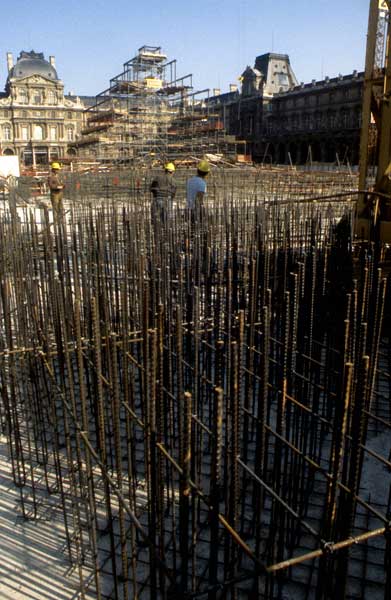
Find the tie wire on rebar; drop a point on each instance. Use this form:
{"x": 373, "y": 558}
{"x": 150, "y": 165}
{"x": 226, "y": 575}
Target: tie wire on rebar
{"x": 201, "y": 397}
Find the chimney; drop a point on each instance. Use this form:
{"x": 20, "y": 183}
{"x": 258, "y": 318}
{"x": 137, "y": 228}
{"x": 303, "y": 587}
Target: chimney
{"x": 10, "y": 61}
{"x": 233, "y": 87}
{"x": 216, "y": 91}
{"x": 52, "y": 61}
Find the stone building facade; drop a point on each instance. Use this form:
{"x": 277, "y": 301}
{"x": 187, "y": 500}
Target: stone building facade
{"x": 243, "y": 113}
{"x": 276, "y": 119}
{"x": 281, "y": 121}
{"x": 315, "y": 122}
{"x": 37, "y": 121}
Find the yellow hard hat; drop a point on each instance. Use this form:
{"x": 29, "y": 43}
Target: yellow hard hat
{"x": 203, "y": 166}
{"x": 56, "y": 165}
{"x": 169, "y": 167}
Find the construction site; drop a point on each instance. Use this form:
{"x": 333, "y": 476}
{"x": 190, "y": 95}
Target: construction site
{"x": 149, "y": 114}
{"x": 198, "y": 406}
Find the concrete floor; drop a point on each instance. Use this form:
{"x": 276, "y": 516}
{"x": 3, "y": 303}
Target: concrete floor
{"x": 33, "y": 558}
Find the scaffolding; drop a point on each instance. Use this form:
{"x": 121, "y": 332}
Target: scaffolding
{"x": 149, "y": 114}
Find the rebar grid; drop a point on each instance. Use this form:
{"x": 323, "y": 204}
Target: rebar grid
{"x": 208, "y": 397}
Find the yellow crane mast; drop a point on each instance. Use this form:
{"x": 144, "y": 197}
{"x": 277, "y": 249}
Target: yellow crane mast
{"x": 373, "y": 220}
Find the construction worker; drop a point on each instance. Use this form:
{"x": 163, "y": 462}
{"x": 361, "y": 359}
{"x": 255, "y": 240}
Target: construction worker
{"x": 195, "y": 197}
{"x": 56, "y": 186}
{"x": 196, "y": 187}
{"x": 163, "y": 190}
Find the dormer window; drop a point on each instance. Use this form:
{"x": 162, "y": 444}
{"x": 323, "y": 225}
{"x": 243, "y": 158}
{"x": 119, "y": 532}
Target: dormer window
{"x": 282, "y": 79}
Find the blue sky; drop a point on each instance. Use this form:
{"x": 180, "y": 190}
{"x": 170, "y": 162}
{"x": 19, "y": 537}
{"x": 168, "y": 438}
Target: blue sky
{"x": 213, "y": 39}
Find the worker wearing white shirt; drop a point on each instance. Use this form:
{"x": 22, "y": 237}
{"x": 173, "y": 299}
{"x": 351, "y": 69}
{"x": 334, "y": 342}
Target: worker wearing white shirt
{"x": 196, "y": 186}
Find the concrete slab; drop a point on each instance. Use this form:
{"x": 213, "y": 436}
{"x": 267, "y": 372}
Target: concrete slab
{"x": 33, "y": 559}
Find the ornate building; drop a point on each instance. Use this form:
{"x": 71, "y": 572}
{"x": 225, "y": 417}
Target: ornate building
{"x": 314, "y": 122}
{"x": 282, "y": 121}
{"x": 37, "y": 122}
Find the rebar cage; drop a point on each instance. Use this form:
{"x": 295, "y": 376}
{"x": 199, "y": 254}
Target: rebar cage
{"x": 206, "y": 396}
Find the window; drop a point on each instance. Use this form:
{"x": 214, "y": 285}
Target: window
{"x": 38, "y": 132}
{"x": 318, "y": 120}
{"x": 70, "y": 134}
{"x": 332, "y": 119}
{"x": 53, "y": 133}
{"x": 7, "y": 132}
{"x": 25, "y": 132}
{"x": 23, "y": 96}
{"x": 269, "y": 126}
{"x": 37, "y": 96}
{"x": 54, "y": 153}
{"x": 345, "y": 118}
{"x": 52, "y": 97}
{"x": 24, "y": 114}
{"x": 53, "y": 114}
{"x": 70, "y": 115}
{"x": 282, "y": 79}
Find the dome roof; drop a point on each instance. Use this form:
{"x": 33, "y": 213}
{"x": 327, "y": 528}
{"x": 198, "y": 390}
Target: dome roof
{"x": 32, "y": 63}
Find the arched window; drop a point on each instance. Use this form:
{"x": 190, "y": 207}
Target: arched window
{"x": 38, "y": 132}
